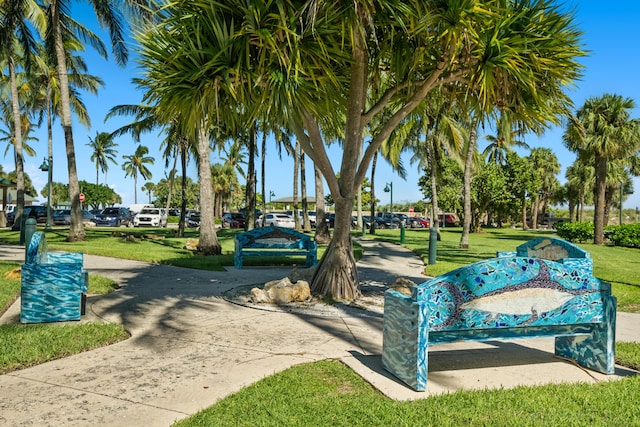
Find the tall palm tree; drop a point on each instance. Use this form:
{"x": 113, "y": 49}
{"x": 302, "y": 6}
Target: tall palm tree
{"x": 603, "y": 132}
{"x": 503, "y": 142}
{"x": 17, "y": 18}
{"x": 581, "y": 175}
{"x": 546, "y": 166}
{"x": 135, "y": 164}
{"x": 103, "y": 152}
{"x": 60, "y": 24}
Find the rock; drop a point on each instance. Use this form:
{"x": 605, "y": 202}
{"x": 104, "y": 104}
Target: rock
{"x": 282, "y": 292}
{"x": 192, "y": 244}
{"x": 402, "y": 285}
{"x": 14, "y": 274}
{"x": 259, "y": 296}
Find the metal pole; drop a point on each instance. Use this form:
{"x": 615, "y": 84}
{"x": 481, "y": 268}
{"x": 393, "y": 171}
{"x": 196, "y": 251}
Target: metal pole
{"x": 49, "y": 192}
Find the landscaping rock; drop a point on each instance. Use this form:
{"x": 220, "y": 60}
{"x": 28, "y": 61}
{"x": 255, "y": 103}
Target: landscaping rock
{"x": 192, "y": 244}
{"x": 402, "y": 285}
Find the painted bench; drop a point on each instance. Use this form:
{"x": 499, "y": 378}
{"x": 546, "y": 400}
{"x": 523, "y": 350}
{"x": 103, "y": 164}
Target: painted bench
{"x": 53, "y": 284}
{"x": 515, "y": 295}
{"x": 274, "y": 241}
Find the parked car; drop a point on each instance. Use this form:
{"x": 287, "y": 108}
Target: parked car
{"x": 151, "y": 217}
{"x": 386, "y": 222}
{"x": 276, "y": 219}
{"x": 233, "y": 220}
{"x": 420, "y": 222}
{"x": 193, "y": 219}
{"x": 448, "y": 220}
{"x": 37, "y": 212}
{"x": 312, "y": 216}
{"x": 63, "y": 216}
{"x": 113, "y": 216}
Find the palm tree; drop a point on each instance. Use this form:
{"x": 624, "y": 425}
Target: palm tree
{"x": 60, "y": 25}
{"x": 103, "y": 152}
{"x": 581, "y": 176}
{"x": 546, "y": 166}
{"x": 603, "y": 132}
{"x": 149, "y": 187}
{"x": 503, "y": 142}
{"x": 16, "y": 20}
{"x": 137, "y": 164}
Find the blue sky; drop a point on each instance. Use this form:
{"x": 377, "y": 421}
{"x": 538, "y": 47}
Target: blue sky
{"x": 611, "y": 37}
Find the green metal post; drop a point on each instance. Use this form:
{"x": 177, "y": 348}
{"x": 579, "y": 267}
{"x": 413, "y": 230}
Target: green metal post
{"x": 402, "y": 233}
{"x": 433, "y": 239}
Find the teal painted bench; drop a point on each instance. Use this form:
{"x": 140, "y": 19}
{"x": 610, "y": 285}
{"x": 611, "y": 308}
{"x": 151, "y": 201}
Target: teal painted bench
{"x": 53, "y": 284}
{"x": 274, "y": 241}
{"x": 515, "y": 295}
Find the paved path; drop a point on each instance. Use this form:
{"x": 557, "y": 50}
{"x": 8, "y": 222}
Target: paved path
{"x": 189, "y": 347}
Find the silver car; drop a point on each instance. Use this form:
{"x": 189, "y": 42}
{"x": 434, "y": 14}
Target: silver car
{"x": 277, "y": 220}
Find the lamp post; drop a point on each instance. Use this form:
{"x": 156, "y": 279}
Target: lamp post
{"x": 389, "y": 189}
{"x": 271, "y": 194}
{"x": 47, "y": 166}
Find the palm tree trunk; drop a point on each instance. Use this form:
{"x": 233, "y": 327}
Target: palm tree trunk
{"x": 468, "y": 164}
{"x": 183, "y": 188}
{"x": 372, "y": 225}
{"x": 599, "y": 196}
{"x": 208, "y": 243}
{"x": 336, "y": 274}
{"x": 306, "y": 224}
{"x": 17, "y": 147}
{"x": 76, "y": 229}
{"x": 323, "y": 236}
{"x": 250, "y": 212}
{"x": 135, "y": 188}
{"x": 263, "y": 157}
{"x": 296, "y": 170}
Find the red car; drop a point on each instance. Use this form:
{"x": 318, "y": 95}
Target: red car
{"x": 419, "y": 222}
{"x": 233, "y": 220}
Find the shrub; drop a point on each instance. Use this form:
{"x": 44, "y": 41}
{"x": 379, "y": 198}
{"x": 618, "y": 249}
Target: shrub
{"x": 627, "y": 235}
{"x": 575, "y": 232}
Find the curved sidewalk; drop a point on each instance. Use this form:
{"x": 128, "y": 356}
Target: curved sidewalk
{"x": 190, "y": 347}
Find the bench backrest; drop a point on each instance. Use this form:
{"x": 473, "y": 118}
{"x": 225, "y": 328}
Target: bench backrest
{"x": 507, "y": 292}
{"x": 554, "y": 249}
{"x": 37, "y": 249}
{"x": 274, "y": 237}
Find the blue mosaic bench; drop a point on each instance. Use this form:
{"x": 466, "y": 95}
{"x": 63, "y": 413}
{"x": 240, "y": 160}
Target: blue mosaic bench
{"x": 53, "y": 284}
{"x": 515, "y": 295}
{"x": 274, "y": 241}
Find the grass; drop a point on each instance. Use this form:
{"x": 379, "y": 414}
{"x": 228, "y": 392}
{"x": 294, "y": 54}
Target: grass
{"x": 328, "y": 393}
{"x": 22, "y": 346}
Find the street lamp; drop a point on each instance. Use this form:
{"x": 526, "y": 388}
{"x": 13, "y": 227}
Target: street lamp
{"x": 389, "y": 189}
{"x": 271, "y": 194}
{"x": 47, "y": 166}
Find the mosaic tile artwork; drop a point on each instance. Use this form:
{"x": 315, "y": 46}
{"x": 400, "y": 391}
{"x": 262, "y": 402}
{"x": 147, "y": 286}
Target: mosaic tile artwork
{"x": 274, "y": 241}
{"x": 52, "y": 284}
{"x": 514, "y": 295}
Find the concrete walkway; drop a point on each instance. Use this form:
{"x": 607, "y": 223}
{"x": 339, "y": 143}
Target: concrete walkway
{"x": 189, "y": 347}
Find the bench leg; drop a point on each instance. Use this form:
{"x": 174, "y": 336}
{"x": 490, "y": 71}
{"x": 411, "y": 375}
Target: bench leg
{"x": 595, "y": 351}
